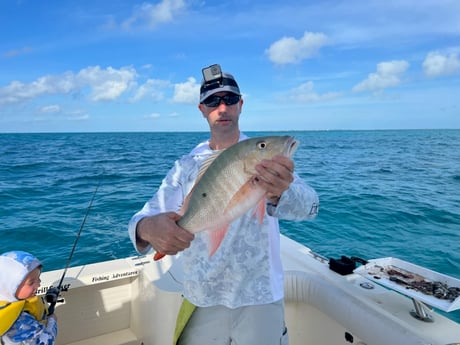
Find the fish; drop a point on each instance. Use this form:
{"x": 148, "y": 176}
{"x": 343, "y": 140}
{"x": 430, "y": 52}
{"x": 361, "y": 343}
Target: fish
{"x": 226, "y": 187}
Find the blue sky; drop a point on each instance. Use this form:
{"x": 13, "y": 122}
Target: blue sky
{"x": 302, "y": 65}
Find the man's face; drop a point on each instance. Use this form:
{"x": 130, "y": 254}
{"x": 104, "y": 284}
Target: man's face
{"x": 222, "y": 117}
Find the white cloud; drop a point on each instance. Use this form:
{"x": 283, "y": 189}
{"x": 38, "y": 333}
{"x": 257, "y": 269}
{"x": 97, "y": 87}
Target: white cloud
{"x": 17, "y": 91}
{"x": 187, "y": 92}
{"x": 48, "y": 113}
{"x": 289, "y": 50}
{"x": 104, "y": 85}
{"x": 305, "y": 94}
{"x": 437, "y": 64}
{"x": 152, "y": 116}
{"x": 50, "y": 109}
{"x": 150, "y": 15}
{"x": 77, "y": 115}
{"x": 151, "y": 89}
{"x": 388, "y": 75}
{"x": 17, "y": 52}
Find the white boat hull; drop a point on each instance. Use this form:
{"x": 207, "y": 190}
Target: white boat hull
{"x": 135, "y": 301}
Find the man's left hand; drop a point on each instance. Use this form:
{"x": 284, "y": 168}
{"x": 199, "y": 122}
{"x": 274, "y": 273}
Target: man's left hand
{"x": 275, "y": 176}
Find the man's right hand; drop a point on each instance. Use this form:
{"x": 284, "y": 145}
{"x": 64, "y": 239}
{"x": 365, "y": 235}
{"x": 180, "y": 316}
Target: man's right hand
{"x": 163, "y": 234}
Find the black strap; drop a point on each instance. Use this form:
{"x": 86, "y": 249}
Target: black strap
{"x": 218, "y": 83}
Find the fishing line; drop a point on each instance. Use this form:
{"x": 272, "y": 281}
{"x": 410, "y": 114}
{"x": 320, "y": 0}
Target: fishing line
{"x": 53, "y": 293}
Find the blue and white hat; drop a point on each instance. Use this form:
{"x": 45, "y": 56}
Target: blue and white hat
{"x": 14, "y": 268}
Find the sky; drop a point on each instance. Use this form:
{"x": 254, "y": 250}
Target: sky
{"x": 122, "y": 66}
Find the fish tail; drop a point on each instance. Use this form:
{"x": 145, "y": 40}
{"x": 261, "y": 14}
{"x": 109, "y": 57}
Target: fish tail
{"x": 158, "y": 256}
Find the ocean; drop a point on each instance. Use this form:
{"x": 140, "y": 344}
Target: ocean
{"x": 388, "y": 193}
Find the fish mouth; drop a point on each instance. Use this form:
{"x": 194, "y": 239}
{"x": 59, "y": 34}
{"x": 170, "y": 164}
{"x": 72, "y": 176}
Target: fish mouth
{"x": 291, "y": 146}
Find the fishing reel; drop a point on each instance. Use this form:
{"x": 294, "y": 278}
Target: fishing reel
{"x": 52, "y": 295}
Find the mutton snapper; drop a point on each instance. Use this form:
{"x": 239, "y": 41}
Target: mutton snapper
{"x": 225, "y": 188}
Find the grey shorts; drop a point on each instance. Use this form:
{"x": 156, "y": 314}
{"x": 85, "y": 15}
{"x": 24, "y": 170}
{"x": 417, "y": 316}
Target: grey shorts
{"x": 250, "y": 325}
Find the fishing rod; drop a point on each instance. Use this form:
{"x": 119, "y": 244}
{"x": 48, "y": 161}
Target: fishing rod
{"x": 53, "y": 293}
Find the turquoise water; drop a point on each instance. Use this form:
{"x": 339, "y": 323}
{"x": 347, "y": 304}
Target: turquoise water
{"x": 382, "y": 193}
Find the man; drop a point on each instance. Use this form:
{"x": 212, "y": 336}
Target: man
{"x": 238, "y": 292}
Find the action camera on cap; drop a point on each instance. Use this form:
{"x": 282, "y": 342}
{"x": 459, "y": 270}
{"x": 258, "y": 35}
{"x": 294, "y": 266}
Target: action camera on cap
{"x": 212, "y": 74}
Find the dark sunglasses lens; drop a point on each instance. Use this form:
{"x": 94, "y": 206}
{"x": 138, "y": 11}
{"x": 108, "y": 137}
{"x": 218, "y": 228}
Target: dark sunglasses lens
{"x": 214, "y": 101}
{"x": 231, "y": 99}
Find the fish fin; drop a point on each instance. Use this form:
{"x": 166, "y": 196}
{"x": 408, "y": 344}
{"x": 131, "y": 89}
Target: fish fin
{"x": 215, "y": 239}
{"x": 259, "y": 210}
{"x": 158, "y": 256}
{"x": 207, "y": 162}
{"x": 204, "y": 166}
{"x": 240, "y": 196}
{"x": 246, "y": 196}
{"x": 186, "y": 201}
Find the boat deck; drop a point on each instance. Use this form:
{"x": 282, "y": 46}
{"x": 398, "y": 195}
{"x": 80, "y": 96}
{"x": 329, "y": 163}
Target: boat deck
{"x": 123, "y": 337}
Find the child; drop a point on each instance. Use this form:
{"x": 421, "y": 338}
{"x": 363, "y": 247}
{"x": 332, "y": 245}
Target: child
{"x": 23, "y": 315}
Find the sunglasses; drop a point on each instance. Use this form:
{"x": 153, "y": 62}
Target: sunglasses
{"x": 214, "y": 101}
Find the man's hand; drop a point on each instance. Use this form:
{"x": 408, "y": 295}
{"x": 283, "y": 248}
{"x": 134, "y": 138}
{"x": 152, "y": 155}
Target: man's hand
{"x": 163, "y": 234}
{"x": 275, "y": 176}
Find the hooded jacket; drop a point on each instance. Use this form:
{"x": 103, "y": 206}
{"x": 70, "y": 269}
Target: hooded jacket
{"x": 22, "y": 321}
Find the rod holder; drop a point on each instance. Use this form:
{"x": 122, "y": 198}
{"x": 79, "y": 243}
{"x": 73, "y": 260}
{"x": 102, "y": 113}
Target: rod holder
{"x": 420, "y": 312}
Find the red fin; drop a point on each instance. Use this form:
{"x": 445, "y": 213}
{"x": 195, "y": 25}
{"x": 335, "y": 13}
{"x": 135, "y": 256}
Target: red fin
{"x": 259, "y": 210}
{"x": 215, "y": 239}
{"x": 158, "y": 256}
{"x": 239, "y": 197}
{"x": 243, "y": 198}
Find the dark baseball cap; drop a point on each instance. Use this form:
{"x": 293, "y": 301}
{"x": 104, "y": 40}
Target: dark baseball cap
{"x": 227, "y": 83}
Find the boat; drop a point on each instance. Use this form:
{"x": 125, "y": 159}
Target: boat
{"x": 135, "y": 301}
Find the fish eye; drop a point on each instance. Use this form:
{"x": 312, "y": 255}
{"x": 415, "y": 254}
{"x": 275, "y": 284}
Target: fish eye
{"x": 261, "y": 145}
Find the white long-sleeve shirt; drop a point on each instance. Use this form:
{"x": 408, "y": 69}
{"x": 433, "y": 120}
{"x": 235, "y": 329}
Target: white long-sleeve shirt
{"x": 246, "y": 269}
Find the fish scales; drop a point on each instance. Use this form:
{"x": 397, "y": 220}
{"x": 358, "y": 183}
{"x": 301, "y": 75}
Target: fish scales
{"x": 206, "y": 209}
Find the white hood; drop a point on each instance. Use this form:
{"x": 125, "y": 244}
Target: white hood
{"x": 14, "y": 267}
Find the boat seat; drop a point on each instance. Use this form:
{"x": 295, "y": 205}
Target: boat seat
{"x": 348, "y": 310}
